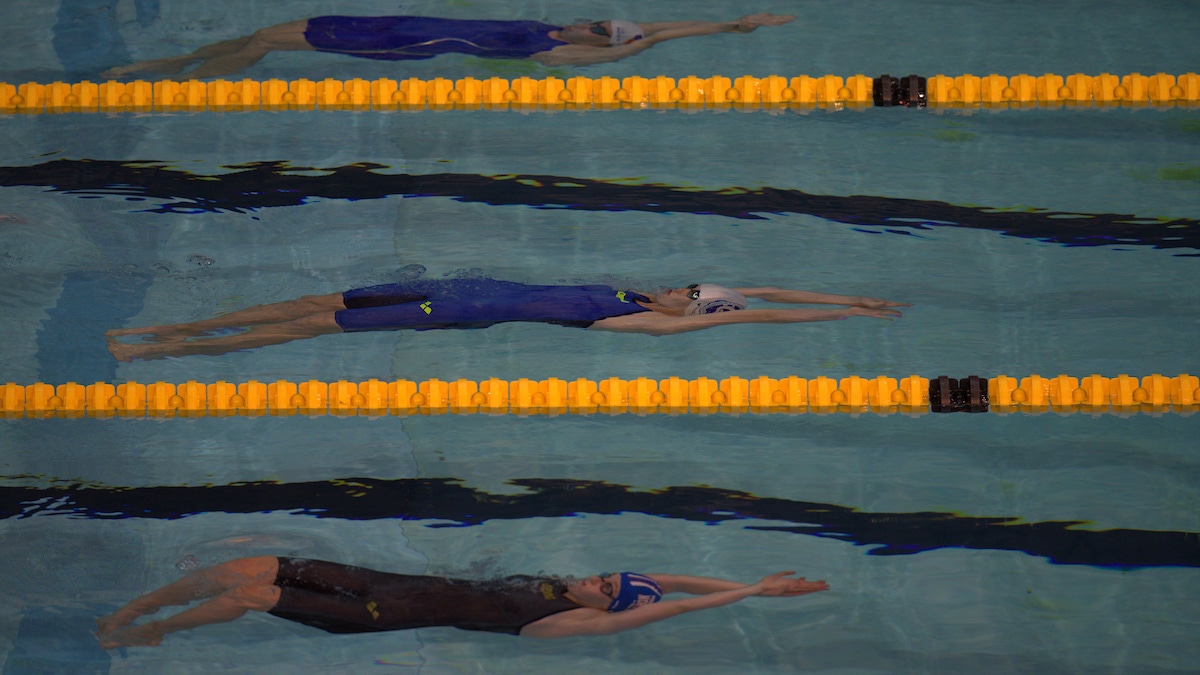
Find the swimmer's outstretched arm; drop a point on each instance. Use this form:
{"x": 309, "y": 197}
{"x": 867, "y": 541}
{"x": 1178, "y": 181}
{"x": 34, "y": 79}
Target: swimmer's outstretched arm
{"x": 656, "y": 323}
{"x": 678, "y": 583}
{"x": 588, "y": 621}
{"x": 584, "y": 55}
{"x": 670, "y": 30}
{"x": 783, "y": 295}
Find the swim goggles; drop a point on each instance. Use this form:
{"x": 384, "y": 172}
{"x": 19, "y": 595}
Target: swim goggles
{"x": 606, "y": 587}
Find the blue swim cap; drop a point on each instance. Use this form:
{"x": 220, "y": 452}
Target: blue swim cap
{"x": 636, "y": 590}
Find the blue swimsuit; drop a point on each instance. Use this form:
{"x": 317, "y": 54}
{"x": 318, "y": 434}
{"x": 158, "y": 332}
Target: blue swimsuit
{"x": 479, "y": 303}
{"x": 396, "y": 38}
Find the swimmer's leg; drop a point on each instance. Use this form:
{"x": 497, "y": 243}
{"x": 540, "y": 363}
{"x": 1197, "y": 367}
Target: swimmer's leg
{"x": 230, "y": 605}
{"x": 226, "y": 57}
{"x": 173, "y": 65}
{"x": 284, "y": 37}
{"x": 202, "y": 584}
{"x": 259, "y": 335}
{"x": 278, "y": 312}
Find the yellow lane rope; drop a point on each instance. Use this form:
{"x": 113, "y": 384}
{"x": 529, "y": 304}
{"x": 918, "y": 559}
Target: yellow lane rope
{"x": 581, "y": 93}
{"x": 1095, "y": 394}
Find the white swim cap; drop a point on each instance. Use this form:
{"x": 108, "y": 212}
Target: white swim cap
{"x": 623, "y": 32}
{"x": 714, "y": 298}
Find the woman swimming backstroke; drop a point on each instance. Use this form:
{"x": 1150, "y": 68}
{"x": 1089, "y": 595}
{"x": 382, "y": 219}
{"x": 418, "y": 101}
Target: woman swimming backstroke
{"x": 479, "y": 303}
{"x": 345, "y": 599}
{"x": 398, "y": 38}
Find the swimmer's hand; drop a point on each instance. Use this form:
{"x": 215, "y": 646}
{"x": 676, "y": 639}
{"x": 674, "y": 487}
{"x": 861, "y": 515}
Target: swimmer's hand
{"x": 749, "y": 22}
{"x": 872, "y": 312}
{"x": 779, "y": 586}
{"x": 877, "y": 303}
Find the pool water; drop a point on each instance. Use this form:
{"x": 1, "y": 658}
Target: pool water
{"x": 105, "y": 224}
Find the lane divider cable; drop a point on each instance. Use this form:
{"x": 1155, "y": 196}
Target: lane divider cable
{"x": 913, "y": 395}
{"x": 526, "y": 94}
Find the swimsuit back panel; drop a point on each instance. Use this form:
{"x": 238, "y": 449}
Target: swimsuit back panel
{"x": 395, "y": 38}
{"x": 345, "y": 599}
{"x": 479, "y": 303}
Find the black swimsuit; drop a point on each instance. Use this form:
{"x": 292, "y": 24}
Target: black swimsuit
{"x": 345, "y": 599}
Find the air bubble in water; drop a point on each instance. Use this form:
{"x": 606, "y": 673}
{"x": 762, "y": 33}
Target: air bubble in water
{"x": 409, "y": 272}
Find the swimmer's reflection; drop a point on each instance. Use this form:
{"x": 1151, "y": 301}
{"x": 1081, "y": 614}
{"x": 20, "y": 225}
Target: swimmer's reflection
{"x": 343, "y": 599}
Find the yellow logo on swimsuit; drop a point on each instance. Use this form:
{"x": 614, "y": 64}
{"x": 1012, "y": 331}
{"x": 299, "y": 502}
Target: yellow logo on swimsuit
{"x": 547, "y": 590}
{"x": 621, "y": 296}
{"x": 427, "y": 307}
{"x": 371, "y": 608}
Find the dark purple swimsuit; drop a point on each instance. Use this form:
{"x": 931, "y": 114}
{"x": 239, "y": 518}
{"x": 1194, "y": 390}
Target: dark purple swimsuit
{"x": 397, "y": 38}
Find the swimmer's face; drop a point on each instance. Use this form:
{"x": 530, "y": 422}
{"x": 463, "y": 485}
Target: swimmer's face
{"x": 596, "y": 34}
{"x": 675, "y": 300}
{"x": 596, "y": 591}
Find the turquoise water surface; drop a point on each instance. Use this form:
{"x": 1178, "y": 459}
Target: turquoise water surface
{"x": 103, "y": 226}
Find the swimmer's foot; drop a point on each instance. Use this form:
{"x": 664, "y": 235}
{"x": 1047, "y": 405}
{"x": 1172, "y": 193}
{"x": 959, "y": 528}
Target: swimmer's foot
{"x": 170, "y": 334}
{"x": 888, "y": 314}
{"x": 110, "y": 622}
{"x": 146, "y": 635}
{"x": 154, "y": 333}
{"x": 126, "y": 352}
{"x": 120, "y": 351}
{"x": 172, "y": 65}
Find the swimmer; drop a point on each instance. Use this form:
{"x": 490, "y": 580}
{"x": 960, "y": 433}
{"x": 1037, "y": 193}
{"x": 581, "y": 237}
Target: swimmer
{"x": 398, "y": 38}
{"x": 343, "y": 599}
{"x": 480, "y": 303}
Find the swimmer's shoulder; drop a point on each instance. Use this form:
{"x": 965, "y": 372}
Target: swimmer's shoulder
{"x": 651, "y": 323}
{"x": 585, "y": 55}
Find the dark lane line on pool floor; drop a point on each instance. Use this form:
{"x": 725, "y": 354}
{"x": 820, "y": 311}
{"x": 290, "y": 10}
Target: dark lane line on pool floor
{"x": 259, "y": 185}
{"x": 454, "y": 505}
